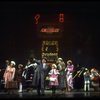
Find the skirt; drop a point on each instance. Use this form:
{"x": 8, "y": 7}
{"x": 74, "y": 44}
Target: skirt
{"x": 12, "y": 85}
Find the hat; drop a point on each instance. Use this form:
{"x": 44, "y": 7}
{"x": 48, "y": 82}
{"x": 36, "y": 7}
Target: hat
{"x": 60, "y": 59}
{"x": 12, "y": 62}
{"x": 20, "y": 65}
{"x": 86, "y": 69}
{"x": 69, "y": 61}
{"x": 54, "y": 65}
{"x": 93, "y": 69}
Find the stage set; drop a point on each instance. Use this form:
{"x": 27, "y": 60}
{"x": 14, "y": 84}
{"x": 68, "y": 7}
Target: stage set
{"x": 48, "y": 94}
{"x": 65, "y": 30}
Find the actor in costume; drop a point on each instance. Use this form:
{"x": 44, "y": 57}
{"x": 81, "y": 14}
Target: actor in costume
{"x": 69, "y": 73}
{"x": 19, "y": 77}
{"x": 62, "y": 77}
{"x": 95, "y": 79}
{"x": 40, "y": 75}
{"x": 86, "y": 75}
{"x": 9, "y": 76}
{"x": 53, "y": 77}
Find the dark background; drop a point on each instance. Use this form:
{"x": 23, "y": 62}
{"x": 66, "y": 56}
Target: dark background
{"x": 80, "y": 41}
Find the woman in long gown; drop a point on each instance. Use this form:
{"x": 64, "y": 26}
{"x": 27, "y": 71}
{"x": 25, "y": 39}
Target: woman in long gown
{"x": 9, "y": 76}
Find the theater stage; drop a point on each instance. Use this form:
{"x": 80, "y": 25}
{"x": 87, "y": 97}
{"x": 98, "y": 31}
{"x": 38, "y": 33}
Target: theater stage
{"x": 48, "y": 94}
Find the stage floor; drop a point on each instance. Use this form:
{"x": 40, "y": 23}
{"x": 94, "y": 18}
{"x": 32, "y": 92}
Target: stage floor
{"x": 48, "y": 94}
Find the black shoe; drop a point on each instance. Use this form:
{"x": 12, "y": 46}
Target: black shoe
{"x": 53, "y": 94}
{"x": 39, "y": 94}
{"x": 43, "y": 94}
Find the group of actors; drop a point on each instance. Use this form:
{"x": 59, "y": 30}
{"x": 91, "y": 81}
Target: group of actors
{"x": 59, "y": 75}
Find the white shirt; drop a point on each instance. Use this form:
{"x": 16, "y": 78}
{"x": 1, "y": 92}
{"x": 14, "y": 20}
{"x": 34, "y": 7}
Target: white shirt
{"x": 44, "y": 64}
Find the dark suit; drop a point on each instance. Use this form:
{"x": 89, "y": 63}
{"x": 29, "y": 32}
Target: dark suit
{"x": 39, "y": 77}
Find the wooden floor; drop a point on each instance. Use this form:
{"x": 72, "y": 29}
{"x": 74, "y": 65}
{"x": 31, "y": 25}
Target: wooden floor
{"x": 33, "y": 94}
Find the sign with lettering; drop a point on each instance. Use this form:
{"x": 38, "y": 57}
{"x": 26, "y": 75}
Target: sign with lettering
{"x": 50, "y": 30}
{"x": 50, "y": 50}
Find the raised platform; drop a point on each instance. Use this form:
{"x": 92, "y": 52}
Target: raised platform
{"x": 48, "y": 94}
